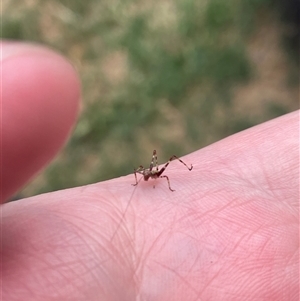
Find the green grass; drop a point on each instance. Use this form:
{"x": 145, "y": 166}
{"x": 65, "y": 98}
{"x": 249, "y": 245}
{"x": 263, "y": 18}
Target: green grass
{"x": 179, "y": 62}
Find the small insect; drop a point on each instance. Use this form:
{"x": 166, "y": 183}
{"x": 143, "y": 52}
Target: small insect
{"x": 155, "y": 173}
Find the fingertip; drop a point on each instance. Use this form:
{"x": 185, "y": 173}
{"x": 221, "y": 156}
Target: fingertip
{"x": 40, "y": 103}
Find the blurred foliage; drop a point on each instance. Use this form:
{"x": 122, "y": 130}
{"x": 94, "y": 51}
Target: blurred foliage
{"x": 155, "y": 74}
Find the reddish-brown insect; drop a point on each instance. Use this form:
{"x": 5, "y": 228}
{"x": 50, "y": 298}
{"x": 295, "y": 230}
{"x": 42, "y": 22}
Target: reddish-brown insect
{"x": 155, "y": 173}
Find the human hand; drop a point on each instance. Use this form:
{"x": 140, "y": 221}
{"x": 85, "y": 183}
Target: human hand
{"x": 228, "y": 232}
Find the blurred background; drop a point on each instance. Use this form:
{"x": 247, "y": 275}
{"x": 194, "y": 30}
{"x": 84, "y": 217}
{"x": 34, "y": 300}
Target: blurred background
{"x": 170, "y": 75}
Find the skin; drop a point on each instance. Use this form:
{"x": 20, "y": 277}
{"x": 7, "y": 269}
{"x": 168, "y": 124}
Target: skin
{"x": 230, "y": 231}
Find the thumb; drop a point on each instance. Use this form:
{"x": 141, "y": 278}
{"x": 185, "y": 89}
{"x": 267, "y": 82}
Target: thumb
{"x": 39, "y": 103}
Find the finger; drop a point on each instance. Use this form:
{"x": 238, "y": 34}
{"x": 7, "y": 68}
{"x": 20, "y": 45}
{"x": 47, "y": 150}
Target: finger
{"x": 40, "y": 100}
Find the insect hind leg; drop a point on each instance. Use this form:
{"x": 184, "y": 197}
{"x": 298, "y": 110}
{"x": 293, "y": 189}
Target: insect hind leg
{"x": 176, "y": 158}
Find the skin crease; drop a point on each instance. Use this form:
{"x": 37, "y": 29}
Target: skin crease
{"x": 230, "y": 231}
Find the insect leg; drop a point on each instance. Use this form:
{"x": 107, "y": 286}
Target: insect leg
{"x": 168, "y": 182}
{"x": 175, "y": 157}
{"x": 154, "y": 158}
{"x": 156, "y": 163}
{"x": 163, "y": 168}
{"x": 140, "y": 169}
{"x": 136, "y": 181}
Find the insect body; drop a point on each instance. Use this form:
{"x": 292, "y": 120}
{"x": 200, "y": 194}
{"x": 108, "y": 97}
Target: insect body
{"x": 155, "y": 173}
